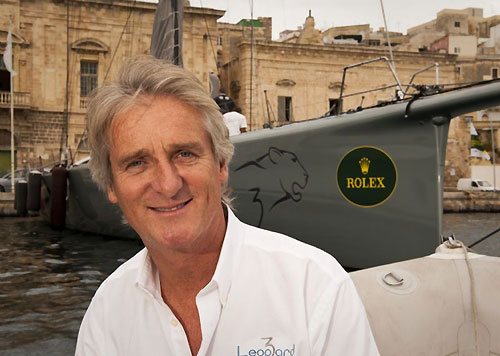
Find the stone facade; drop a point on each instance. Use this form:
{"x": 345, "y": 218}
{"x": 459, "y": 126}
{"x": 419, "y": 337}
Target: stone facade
{"x": 307, "y": 73}
{"x": 100, "y": 35}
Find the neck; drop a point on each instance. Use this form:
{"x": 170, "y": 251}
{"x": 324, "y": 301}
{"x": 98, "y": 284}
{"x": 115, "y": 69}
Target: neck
{"x": 190, "y": 269}
{"x": 183, "y": 274}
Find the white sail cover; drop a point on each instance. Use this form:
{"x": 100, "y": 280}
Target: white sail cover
{"x": 166, "y": 41}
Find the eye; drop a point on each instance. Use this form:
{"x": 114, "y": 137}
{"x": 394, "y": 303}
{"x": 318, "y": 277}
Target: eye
{"x": 135, "y": 163}
{"x": 185, "y": 154}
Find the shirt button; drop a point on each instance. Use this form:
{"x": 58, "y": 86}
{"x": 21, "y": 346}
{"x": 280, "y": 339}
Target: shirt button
{"x": 174, "y": 322}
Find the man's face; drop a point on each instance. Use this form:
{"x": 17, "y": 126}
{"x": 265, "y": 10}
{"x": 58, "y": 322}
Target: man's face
{"x": 165, "y": 177}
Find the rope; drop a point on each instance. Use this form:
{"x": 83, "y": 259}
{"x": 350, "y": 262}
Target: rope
{"x": 458, "y": 244}
{"x": 208, "y": 33}
{"x": 130, "y": 11}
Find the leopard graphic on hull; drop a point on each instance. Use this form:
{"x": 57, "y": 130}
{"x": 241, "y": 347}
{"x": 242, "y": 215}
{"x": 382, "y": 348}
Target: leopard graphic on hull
{"x": 280, "y": 174}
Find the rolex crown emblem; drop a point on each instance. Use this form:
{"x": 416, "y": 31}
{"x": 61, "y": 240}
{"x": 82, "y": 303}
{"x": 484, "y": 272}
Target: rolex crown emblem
{"x": 364, "y": 163}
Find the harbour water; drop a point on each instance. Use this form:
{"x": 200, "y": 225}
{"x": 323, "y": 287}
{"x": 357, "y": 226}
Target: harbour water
{"x": 48, "y": 278}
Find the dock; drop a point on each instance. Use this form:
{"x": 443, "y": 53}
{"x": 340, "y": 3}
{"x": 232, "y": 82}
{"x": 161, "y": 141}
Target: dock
{"x": 453, "y": 202}
{"x": 7, "y": 204}
{"x": 461, "y": 201}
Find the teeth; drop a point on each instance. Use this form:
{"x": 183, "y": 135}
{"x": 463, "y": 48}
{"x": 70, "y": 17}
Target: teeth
{"x": 171, "y": 209}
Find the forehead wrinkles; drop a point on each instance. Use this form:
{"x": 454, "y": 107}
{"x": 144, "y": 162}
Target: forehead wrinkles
{"x": 124, "y": 123}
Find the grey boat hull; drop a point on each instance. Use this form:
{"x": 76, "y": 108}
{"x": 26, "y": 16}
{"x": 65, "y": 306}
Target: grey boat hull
{"x": 286, "y": 179}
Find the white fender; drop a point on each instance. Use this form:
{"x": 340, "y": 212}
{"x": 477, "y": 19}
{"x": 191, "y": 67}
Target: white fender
{"x": 447, "y": 303}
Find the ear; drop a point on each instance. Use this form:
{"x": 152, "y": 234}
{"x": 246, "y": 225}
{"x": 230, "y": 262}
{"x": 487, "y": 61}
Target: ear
{"x": 223, "y": 173}
{"x": 274, "y": 154}
{"x": 111, "y": 194}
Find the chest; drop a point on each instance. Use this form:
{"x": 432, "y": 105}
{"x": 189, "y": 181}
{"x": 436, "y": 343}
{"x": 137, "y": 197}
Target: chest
{"x": 245, "y": 326}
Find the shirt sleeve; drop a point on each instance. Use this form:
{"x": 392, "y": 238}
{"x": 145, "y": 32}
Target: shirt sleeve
{"x": 243, "y": 122}
{"x": 91, "y": 336}
{"x": 339, "y": 325}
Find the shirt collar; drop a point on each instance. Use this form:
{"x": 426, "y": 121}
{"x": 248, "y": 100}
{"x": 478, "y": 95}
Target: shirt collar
{"x": 148, "y": 277}
{"x": 229, "y": 254}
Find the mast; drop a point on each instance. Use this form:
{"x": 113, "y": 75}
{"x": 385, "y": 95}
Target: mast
{"x": 63, "y": 156}
{"x": 12, "y": 148}
{"x": 7, "y": 59}
{"x": 251, "y": 62}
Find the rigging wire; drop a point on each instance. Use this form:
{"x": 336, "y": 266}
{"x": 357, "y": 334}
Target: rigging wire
{"x": 64, "y": 134}
{"x": 71, "y": 69}
{"x": 130, "y": 11}
{"x": 208, "y": 32}
{"x": 484, "y": 238}
{"x": 393, "y": 65}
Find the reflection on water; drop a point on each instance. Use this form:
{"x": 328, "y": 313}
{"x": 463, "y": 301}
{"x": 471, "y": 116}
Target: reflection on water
{"x": 47, "y": 278}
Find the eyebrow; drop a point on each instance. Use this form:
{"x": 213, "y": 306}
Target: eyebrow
{"x": 123, "y": 161}
{"x": 176, "y": 147}
{"x": 193, "y": 146}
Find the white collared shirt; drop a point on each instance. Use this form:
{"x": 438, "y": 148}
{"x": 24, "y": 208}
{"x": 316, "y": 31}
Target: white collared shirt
{"x": 270, "y": 295}
{"x": 234, "y": 122}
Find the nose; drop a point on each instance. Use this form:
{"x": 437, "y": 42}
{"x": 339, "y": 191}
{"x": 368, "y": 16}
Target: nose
{"x": 166, "y": 179}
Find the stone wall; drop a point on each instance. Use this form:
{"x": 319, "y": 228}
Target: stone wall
{"x": 100, "y": 31}
{"x": 312, "y": 74}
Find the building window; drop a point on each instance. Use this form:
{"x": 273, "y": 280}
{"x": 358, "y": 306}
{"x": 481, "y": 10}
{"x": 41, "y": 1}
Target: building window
{"x": 219, "y": 60}
{"x": 219, "y": 41}
{"x": 4, "y": 77}
{"x": 457, "y": 23}
{"x": 333, "y": 106}
{"x": 494, "y": 73}
{"x": 285, "y": 108}
{"x": 456, "y": 50}
{"x": 88, "y": 77}
{"x": 458, "y": 70}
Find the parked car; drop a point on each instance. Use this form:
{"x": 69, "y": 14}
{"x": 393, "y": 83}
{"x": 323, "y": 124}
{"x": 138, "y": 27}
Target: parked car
{"x": 5, "y": 183}
{"x": 473, "y": 184}
{"x": 20, "y": 174}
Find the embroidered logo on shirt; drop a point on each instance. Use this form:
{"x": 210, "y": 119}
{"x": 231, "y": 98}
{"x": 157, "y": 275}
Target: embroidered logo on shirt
{"x": 266, "y": 349}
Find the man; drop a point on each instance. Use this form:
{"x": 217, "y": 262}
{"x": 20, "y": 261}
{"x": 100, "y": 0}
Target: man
{"x": 235, "y": 121}
{"x": 205, "y": 284}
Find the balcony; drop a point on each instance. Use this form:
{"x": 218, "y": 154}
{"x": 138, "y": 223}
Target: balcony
{"x": 22, "y": 100}
{"x": 485, "y": 125}
{"x": 83, "y": 103}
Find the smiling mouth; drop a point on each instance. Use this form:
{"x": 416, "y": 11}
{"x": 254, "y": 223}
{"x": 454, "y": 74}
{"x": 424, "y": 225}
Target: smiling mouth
{"x": 177, "y": 207}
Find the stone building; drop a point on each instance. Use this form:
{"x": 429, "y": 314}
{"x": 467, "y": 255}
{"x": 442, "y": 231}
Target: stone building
{"x": 475, "y": 40}
{"x": 63, "y": 49}
{"x": 300, "y": 77}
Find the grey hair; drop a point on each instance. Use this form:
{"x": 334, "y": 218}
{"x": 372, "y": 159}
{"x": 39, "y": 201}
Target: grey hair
{"x": 140, "y": 77}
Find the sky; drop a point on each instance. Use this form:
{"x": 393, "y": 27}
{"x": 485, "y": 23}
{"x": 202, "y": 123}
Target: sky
{"x": 288, "y": 14}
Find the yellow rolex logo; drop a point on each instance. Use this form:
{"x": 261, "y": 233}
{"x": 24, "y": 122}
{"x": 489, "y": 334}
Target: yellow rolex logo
{"x": 366, "y": 176}
{"x": 364, "y": 163}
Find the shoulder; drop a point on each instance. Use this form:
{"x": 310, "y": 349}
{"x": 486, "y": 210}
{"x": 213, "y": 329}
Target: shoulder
{"x": 125, "y": 275}
{"x": 290, "y": 254}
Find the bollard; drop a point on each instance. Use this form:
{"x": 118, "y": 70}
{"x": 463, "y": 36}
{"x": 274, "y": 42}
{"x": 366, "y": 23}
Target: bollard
{"x": 34, "y": 188}
{"x": 20, "y": 198}
{"x": 58, "y": 198}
